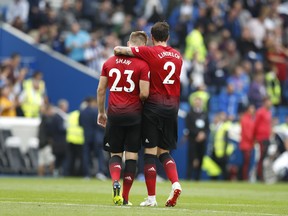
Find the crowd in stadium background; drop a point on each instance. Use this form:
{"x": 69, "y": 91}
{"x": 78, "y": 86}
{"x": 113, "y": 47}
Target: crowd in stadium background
{"x": 235, "y": 51}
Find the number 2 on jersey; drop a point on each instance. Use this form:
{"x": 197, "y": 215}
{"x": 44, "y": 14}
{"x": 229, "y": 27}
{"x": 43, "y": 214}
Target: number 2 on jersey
{"x": 172, "y": 67}
{"x": 115, "y": 86}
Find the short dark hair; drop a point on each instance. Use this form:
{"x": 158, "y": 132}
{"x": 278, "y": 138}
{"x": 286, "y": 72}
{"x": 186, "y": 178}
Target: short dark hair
{"x": 160, "y": 31}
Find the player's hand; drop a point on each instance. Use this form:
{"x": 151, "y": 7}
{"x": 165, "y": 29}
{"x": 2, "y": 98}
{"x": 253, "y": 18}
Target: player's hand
{"x": 117, "y": 50}
{"x": 102, "y": 119}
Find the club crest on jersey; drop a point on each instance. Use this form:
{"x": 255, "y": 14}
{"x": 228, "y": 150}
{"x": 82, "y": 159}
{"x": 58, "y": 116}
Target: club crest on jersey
{"x": 136, "y": 49}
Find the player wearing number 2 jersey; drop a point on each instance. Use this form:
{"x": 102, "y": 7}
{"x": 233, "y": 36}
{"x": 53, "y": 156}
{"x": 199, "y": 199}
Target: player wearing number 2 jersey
{"x": 127, "y": 79}
{"x": 159, "y": 123}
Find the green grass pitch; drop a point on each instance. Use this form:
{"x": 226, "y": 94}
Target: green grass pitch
{"x": 72, "y": 196}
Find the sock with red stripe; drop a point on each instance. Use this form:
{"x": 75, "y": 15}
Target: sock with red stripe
{"x": 169, "y": 167}
{"x": 115, "y": 167}
{"x": 150, "y": 173}
{"x": 129, "y": 175}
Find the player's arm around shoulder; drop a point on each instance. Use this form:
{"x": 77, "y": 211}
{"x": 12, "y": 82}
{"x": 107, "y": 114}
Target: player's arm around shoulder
{"x": 101, "y": 96}
{"x": 122, "y": 50}
{"x": 144, "y": 89}
{"x": 144, "y": 82}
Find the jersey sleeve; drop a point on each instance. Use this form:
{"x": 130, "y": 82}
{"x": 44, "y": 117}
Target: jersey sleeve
{"x": 145, "y": 72}
{"x": 142, "y": 52}
{"x": 104, "y": 71}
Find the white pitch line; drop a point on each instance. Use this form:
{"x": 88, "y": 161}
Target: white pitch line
{"x": 138, "y": 207}
{"x": 88, "y": 205}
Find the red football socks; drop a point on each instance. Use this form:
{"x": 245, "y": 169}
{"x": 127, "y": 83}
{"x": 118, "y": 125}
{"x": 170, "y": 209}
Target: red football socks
{"x": 128, "y": 178}
{"x": 150, "y": 173}
{"x": 169, "y": 167}
{"x": 115, "y": 167}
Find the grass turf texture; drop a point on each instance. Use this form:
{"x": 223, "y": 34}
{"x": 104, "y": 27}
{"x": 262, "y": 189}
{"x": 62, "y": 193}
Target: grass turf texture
{"x": 65, "y": 196}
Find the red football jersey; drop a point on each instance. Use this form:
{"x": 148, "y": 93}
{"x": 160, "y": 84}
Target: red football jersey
{"x": 165, "y": 67}
{"x": 124, "y": 74}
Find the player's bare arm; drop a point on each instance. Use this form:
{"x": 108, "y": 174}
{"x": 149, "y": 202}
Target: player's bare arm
{"x": 121, "y": 50}
{"x": 144, "y": 89}
{"x": 101, "y": 93}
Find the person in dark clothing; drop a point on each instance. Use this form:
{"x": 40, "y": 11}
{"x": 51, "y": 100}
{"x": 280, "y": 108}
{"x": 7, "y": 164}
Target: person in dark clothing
{"x": 93, "y": 139}
{"x": 45, "y": 156}
{"x": 197, "y": 128}
{"x": 59, "y": 145}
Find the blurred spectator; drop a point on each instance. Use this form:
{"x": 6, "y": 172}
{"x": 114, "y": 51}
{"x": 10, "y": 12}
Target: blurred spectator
{"x": 7, "y": 104}
{"x": 13, "y": 63}
{"x": 245, "y": 43}
{"x": 125, "y": 29}
{"x": 153, "y": 11}
{"x": 181, "y": 19}
{"x": 76, "y": 42}
{"x": 17, "y": 13}
{"x": 195, "y": 47}
{"x": 45, "y": 156}
{"x": 257, "y": 91}
{"x": 246, "y": 144}
{"x": 277, "y": 54}
{"x": 36, "y": 13}
{"x": 93, "y": 55}
{"x": 241, "y": 81}
{"x": 33, "y": 96}
{"x": 40, "y": 35}
{"x": 56, "y": 40}
{"x": 93, "y": 139}
{"x": 273, "y": 86}
{"x": 222, "y": 149}
{"x": 262, "y": 132}
{"x": 257, "y": 27}
{"x": 75, "y": 140}
{"x": 201, "y": 92}
{"x": 197, "y": 125}
{"x": 4, "y": 76}
{"x": 231, "y": 56}
{"x": 216, "y": 73}
{"x": 232, "y": 23}
{"x": 59, "y": 144}
{"x": 229, "y": 102}
{"x": 65, "y": 17}
{"x": 243, "y": 14}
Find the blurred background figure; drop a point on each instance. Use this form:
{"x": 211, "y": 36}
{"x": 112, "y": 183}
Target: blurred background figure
{"x": 246, "y": 144}
{"x": 197, "y": 125}
{"x": 93, "y": 140}
{"x": 262, "y": 132}
{"x": 59, "y": 143}
{"x": 17, "y": 13}
{"x": 76, "y": 42}
{"x": 7, "y": 104}
{"x": 45, "y": 131}
{"x": 75, "y": 140}
{"x": 33, "y": 96}
{"x": 222, "y": 149}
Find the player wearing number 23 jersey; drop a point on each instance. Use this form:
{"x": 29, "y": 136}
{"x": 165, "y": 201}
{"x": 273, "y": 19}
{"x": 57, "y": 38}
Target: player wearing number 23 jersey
{"x": 127, "y": 79}
{"x": 124, "y": 74}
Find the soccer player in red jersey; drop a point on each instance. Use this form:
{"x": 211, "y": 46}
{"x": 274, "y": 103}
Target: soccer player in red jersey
{"x": 127, "y": 79}
{"x": 159, "y": 121}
